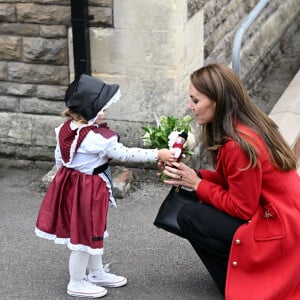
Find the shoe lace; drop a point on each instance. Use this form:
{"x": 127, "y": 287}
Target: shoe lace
{"x": 106, "y": 267}
{"x": 84, "y": 282}
{"x": 104, "y": 272}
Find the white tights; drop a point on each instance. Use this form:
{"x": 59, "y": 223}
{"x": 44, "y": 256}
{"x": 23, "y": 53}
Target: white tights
{"x": 80, "y": 261}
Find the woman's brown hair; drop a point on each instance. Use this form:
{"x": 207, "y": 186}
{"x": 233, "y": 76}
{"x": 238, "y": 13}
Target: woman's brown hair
{"x": 233, "y": 105}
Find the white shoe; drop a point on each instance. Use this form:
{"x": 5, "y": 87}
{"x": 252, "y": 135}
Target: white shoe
{"x": 83, "y": 288}
{"x": 103, "y": 278}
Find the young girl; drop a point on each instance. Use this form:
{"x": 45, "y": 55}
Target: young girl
{"x": 74, "y": 209}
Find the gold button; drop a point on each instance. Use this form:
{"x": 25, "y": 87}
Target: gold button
{"x": 237, "y": 241}
{"x": 234, "y": 264}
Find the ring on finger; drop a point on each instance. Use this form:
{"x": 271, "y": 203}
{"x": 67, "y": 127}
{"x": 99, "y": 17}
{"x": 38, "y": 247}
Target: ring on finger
{"x": 180, "y": 177}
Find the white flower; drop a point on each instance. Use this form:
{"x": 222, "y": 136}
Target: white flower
{"x": 191, "y": 141}
{"x": 172, "y": 137}
{"x": 146, "y": 139}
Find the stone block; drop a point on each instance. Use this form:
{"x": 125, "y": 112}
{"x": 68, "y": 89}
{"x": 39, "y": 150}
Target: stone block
{"x": 122, "y": 177}
{"x": 7, "y": 12}
{"x": 151, "y": 59}
{"x": 15, "y": 128}
{"x": 53, "y": 92}
{"x": 101, "y": 16}
{"x": 35, "y": 73}
{"x": 41, "y": 106}
{"x": 286, "y": 122}
{"x": 20, "y": 29}
{"x": 141, "y": 96}
{"x": 27, "y": 129}
{"x": 292, "y": 97}
{"x": 53, "y": 31}
{"x": 43, "y": 127}
{"x": 8, "y": 103}
{"x": 3, "y": 70}
{"x": 41, "y": 50}
{"x": 286, "y": 113}
{"x": 43, "y": 14}
{"x": 105, "y": 3}
{"x": 10, "y": 48}
{"x": 48, "y": 177}
{"x": 53, "y": 2}
{"x": 18, "y": 89}
{"x": 147, "y": 15}
{"x": 127, "y": 47}
{"x": 195, "y": 35}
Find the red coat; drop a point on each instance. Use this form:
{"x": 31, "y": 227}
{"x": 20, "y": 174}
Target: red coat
{"x": 264, "y": 262}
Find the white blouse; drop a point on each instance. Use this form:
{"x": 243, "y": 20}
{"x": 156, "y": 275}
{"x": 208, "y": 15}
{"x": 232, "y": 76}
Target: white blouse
{"x": 95, "y": 150}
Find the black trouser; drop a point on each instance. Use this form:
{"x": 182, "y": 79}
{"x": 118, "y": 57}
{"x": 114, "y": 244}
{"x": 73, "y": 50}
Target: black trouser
{"x": 210, "y": 232}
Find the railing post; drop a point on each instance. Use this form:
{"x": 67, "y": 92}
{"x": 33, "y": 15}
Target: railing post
{"x": 81, "y": 40}
{"x": 236, "y": 48}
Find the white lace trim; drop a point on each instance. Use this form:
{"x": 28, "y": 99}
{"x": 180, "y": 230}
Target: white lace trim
{"x": 112, "y": 201}
{"x": 66, "y": 241}
{"x": 115, "y": 98}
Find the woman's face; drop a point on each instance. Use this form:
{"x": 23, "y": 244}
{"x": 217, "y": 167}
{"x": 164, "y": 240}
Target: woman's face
{"x": 203, "y": 108}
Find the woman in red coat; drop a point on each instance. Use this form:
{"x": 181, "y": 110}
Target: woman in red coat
{"x": 246, "y": 229}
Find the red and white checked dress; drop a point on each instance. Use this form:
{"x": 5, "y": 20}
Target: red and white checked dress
{"x": 74, "y": 208}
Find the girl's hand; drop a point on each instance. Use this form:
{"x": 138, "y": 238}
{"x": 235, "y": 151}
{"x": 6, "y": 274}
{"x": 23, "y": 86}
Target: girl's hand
{"x": 160, "y": 165}
{"x": 182, "y": 175}
{"x": 166, "y": 156}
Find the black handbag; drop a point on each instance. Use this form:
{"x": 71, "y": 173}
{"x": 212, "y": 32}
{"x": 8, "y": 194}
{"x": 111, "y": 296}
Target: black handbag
{"x": 167, "y": 214}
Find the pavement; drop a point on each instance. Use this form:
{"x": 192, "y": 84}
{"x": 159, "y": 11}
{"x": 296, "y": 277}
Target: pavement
{"x": 158, "y": 265}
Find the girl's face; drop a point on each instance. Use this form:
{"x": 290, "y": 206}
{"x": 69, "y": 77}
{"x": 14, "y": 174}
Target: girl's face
{"x": 101, "y": 117}
{"x": 204, "y": 109}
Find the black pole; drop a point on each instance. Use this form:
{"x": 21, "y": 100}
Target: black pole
{"x": 81, "y": 40}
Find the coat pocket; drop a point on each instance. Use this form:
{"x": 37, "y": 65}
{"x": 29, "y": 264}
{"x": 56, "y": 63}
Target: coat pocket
{"x": 269, "y": 225}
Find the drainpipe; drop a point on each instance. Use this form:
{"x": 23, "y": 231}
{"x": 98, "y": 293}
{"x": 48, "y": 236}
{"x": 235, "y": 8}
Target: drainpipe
{"x": 81, "y": 40}
{"x": 236, "y": 49}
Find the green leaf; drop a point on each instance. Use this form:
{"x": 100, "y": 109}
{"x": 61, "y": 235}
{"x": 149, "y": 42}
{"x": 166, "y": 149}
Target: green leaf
{"x": 157, "y": 137}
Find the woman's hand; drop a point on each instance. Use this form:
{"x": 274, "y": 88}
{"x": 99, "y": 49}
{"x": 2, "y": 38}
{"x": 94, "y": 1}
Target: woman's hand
{"x": 181, "y": 174}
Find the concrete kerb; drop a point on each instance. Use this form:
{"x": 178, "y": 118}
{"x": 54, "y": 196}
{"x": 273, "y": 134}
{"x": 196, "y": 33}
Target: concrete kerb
{"x": 286, "y": 114}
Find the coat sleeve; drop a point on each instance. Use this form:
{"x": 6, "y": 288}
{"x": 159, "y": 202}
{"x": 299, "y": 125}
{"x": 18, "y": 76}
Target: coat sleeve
{"x": 209, "y": 175}
{"x": 239, "y": 194}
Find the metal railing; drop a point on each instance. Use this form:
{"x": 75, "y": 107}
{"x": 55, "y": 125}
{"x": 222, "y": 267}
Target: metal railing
{"x": 236, "y": 48}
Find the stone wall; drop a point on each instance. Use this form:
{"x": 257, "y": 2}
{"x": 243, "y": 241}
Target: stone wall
{"x": 36, "y": 60}
{"x": 151, "y": 57}
{"x": 260, "y": 42}
{"x": 34, "y": 73}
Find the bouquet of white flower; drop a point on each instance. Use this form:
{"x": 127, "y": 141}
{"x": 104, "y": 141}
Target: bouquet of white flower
{"x": 166, "y": 131}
